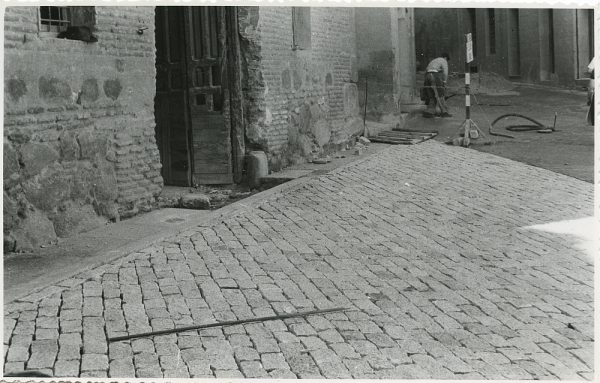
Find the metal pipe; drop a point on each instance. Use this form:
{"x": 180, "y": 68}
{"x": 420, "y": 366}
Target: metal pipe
{"x": 227, "y": 323}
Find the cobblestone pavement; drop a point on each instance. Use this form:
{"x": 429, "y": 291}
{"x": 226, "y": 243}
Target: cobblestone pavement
{"x": 426, "y": 244}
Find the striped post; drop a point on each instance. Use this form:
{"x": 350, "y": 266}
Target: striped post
{"x": 467, "y": 93}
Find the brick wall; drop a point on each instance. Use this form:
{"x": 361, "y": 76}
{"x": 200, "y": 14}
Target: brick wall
{"x": 298, "y": 102}
{"x": 79, "y": 145}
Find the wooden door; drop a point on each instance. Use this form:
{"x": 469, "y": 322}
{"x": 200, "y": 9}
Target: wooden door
{"x": 193, "y": 132}
{"x": 208, "y": 95}
{"x": 171, "y": 96}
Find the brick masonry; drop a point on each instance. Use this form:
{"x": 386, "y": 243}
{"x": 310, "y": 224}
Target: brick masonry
{"x": 298, "y": 101}
{"x": 79, "y": 144}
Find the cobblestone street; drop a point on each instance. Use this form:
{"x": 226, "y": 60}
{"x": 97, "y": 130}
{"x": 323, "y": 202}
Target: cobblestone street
{"x": 426, "y": 245}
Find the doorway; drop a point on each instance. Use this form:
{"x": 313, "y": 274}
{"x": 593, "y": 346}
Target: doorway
{"x": 191, "y": 104}
{"x": 514, "y": 54}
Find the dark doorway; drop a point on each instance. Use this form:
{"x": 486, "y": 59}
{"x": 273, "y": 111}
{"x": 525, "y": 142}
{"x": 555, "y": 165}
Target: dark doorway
{"x": 193, "y": 135}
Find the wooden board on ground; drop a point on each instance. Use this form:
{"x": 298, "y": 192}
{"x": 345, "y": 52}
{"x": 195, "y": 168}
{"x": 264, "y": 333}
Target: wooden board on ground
{"x": 402, "y": 137}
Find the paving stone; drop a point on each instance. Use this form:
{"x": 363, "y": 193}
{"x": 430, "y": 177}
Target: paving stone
{"x": 246, "y": 353}
{"x": 145, "y": 359}
{"x": 228, "y": 374}
{"x": 43, "y": 354}
{"x": 148, "y": 372}
{"x": 274, "y": 361}
{"x": 66, "y": 368}
{"x": 13, "y": 367}
{"x": 18, "y": 354}
{"x": 119, "y": 350}
{"x": 69, "y": 351}
{"x": 94, "y": 362}
{"x": 253, "y": 369}
{"x": 93, "y": 374}
{"x": 179, "y": 373}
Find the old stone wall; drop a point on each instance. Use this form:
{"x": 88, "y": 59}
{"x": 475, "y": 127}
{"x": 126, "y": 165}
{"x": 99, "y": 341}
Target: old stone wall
{"x": 299, "y": 102}
{"x": 79, "y": 145}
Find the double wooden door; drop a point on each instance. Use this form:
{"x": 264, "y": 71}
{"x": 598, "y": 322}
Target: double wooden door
{"x": 192, "y": 99}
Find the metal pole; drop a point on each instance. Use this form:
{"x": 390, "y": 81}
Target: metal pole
{"x": 467, "y": 90}
{"x": 227, "y": 323}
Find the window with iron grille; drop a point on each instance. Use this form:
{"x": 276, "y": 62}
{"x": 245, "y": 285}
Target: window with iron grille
{"x": 57, "y": 19}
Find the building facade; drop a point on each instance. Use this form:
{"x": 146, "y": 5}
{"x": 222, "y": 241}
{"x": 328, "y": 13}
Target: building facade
{"x": 79, "y": 145}
{"x": 547, "y": 46}
{"x": 94, "y": 127}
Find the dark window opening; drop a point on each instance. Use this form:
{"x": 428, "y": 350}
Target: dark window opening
{"x": 301, "y": 32}
{"x": 491, "y": 31}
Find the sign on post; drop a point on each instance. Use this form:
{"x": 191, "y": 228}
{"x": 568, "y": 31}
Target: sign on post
{"x": 469, "y": 48}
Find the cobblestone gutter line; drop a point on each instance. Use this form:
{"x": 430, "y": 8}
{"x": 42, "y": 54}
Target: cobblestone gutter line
{"x": 426, "y": 243}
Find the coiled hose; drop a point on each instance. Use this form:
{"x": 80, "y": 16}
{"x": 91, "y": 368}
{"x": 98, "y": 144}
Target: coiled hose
{"x": 522, "y": 127}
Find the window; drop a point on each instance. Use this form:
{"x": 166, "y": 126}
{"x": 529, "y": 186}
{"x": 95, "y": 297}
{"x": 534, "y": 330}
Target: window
{"x": 491, "y": 31}
{"x": 301, "y": 27}
{"x": 57, "y": 19}
{"x": 54, "y": 19}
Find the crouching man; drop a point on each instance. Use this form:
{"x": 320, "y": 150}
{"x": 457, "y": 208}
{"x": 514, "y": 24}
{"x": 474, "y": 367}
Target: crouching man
{"x": 436, "y": 76}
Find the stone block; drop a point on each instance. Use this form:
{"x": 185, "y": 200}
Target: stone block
{"x": 33, "y": 231}
{"x": 198, "y": 201}
{"x": 92, "y": 144}
{"x": 321, "y": 130}
{"x": 66, "y": 368}
{"x": 47, "y": 191}
{"x": 73, "y": 219}
{"x": 11, "y": 161}
{"x": 68, "y": 146}
{"x": 35, "y": 156}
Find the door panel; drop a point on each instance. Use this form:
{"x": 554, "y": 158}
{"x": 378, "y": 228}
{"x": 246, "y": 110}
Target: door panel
{"x": 171, "y": 96}
{"x": 193, "y": 134}
{"x": 211, "y": 136}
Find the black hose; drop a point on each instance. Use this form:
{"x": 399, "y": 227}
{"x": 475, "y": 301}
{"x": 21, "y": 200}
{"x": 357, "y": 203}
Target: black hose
{"x": 522, "y": 128}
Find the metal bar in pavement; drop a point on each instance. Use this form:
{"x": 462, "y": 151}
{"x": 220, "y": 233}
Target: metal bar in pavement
{"x": 227, "y": 323}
